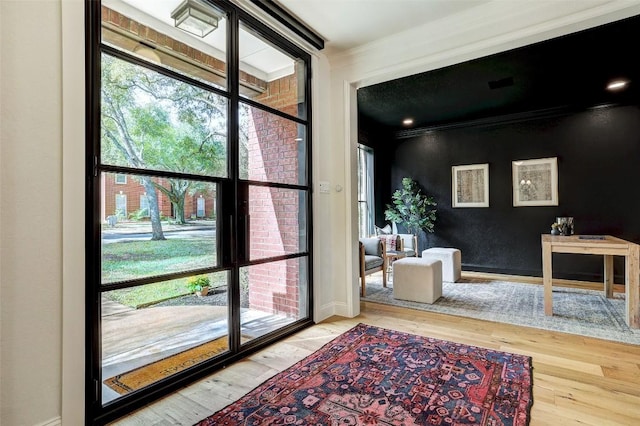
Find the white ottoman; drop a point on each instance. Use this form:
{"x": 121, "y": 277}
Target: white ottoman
{"x": 451, "y": 261}
{"x": 417, "y": 280}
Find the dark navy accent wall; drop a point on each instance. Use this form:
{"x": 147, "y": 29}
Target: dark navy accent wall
{"x": 598, "y": 154}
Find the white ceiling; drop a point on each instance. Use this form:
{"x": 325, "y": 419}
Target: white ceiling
{"x": 256, "y": 57}
{"x": 345, "y": 24}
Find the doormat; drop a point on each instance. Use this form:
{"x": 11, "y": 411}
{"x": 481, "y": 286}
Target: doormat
{"x": 371, "y": 375}
{"x": 151, "y": 373}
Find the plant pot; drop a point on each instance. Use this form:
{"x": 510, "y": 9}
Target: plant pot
{"x": 203, "y": 292}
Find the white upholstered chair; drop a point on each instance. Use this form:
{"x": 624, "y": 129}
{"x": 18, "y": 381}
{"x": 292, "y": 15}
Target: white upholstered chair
{"x": 409, "y": 244}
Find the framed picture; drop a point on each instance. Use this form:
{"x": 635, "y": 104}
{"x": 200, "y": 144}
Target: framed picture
{"x": 535, "y": 182}
{"x": 470, "y": 185}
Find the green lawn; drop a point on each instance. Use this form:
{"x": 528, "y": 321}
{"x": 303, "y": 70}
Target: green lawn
{"x": 137, "y": 259}
{"x": 141, "y": 296}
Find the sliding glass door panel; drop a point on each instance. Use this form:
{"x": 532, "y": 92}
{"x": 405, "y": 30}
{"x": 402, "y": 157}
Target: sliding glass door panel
{"x": 153, "y": 331}
{"x": 272, "y": 295}
{"x": 277, "y": 222}
{"x": 273, "y": 148}
{"x": 159, "y": 232}
{"x": 199, "y": 197}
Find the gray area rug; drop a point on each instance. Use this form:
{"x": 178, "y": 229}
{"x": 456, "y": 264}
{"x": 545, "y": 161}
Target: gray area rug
{"x": 583, "y": 312}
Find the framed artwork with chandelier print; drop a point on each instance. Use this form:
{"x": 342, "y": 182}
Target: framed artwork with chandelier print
{"x": 535, "y": 182}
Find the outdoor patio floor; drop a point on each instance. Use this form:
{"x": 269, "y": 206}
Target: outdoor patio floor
{"x": 132, "y": 338}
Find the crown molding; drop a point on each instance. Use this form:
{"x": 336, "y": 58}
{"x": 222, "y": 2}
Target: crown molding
{"x": 483, "y": 30}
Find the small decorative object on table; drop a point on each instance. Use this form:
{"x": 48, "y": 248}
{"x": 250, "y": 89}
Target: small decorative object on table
{"x": 565, "y": 225}
{"x": 554, "y": 229}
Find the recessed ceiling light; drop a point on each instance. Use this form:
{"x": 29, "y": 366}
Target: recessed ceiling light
{"x": 407, "y": 121}
{"x": 617, "y": 84}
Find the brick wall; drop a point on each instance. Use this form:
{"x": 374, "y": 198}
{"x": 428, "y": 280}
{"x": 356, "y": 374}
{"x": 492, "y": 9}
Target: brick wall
{"x": 273, "y": 157}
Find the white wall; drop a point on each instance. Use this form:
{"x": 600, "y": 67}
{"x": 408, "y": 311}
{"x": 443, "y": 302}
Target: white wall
{"x": 31, "y": 211}
{"x": 73, "y": 208}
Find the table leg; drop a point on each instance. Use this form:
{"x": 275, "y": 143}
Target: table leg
{"x": 547, "y": 278}
{"x": 632, "y": 286}
{"x": 608, "y": 275}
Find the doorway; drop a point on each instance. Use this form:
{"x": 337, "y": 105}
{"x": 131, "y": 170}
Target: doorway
{"x": 210, "y": 259}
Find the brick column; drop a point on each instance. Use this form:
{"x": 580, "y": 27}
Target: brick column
{"x": 273, "y": 157}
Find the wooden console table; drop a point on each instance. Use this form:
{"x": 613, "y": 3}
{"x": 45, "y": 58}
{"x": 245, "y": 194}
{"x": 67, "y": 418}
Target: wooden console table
{"x": 607, "y": 246}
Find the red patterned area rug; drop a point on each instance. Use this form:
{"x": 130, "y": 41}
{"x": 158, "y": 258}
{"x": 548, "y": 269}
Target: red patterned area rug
{"x": 374, "y": 376}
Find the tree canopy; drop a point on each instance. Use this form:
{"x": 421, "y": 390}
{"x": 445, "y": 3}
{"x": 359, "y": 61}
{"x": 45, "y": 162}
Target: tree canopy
{"x": 154, "y": 122}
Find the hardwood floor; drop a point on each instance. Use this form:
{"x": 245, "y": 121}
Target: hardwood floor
{"x": 576, "y": 380}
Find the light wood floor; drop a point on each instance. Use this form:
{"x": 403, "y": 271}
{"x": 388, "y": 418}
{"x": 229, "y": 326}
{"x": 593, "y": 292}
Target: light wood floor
{"x": 576, "y": 380}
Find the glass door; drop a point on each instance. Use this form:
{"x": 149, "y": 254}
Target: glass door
{"x": 273, "y": 189}
{"x": 199, "y": 215}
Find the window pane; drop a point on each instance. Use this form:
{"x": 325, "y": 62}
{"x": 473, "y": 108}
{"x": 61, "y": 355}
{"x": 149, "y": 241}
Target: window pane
{"x": 272, "y": 295}
{"x": 277, "y": 222}
{"x": 270, "y": 76}
{"x": 132, "y": 248}
{"x": 144, "y": 205}
{"x": 152, "y": 331}
{"x": 272, "y": 148}
{"x": 150, "y": 121}
{"x": 145, "y": 28}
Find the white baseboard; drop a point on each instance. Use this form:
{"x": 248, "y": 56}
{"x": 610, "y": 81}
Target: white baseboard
{"x": 57, "y": 421}
{"x": 342, "y": 309}
{"x": 325, "y": 311}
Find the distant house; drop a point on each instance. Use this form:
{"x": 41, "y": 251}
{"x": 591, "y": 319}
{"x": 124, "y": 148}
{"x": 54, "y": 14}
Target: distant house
{"x": 125, "y": 197}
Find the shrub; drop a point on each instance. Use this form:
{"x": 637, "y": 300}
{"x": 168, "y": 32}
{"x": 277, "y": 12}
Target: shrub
{"x": 198, "y": 282}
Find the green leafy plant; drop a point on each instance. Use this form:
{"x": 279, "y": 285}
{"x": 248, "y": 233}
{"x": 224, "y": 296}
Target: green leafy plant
{"x": 198, "y": 282}
{"x": 139, "y": 215}
{"x": 412, "y": 208}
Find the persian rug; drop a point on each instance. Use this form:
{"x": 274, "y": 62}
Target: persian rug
{"x": 576, "y": 311}
{"x": 151, "y": 373}
{"x": 375, "y": 376}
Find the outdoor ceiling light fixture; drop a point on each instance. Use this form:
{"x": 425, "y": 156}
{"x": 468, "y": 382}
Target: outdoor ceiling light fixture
{"x": 617, "y": 84}
{"x": 196, "y": 18}
{"x": 147, "y": 52}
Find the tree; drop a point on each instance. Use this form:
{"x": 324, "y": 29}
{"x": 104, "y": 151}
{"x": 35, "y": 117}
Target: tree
{"x": 117, "y": 132}
{"x": 151, "y": 121}
{"x": 412, "y": 207}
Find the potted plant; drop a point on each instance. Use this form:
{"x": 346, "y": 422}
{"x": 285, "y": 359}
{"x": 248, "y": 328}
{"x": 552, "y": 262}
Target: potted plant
{"x": 412, "y": 207}
{"x": 199, "y": 284}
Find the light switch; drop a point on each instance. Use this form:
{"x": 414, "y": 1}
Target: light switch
{"x": 324, "y": 187}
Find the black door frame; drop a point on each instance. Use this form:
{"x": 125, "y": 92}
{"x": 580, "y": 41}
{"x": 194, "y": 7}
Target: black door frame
{"x": 231, "y": 230}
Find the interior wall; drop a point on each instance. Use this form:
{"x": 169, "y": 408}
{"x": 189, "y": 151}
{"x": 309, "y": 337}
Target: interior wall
{"x": 32, "y": 194}
{"x": 31, "y": 212}
{"x": 492, "y": 28}
{"x": 596, "y": 151}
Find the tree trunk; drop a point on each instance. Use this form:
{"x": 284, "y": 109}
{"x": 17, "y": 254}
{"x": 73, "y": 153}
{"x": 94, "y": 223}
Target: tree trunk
{"x": 154, "y": 211}
{"x": 178, "y": 208}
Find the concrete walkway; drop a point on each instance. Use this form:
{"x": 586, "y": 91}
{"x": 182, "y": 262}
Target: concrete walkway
{"x": 132, "y": 338}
